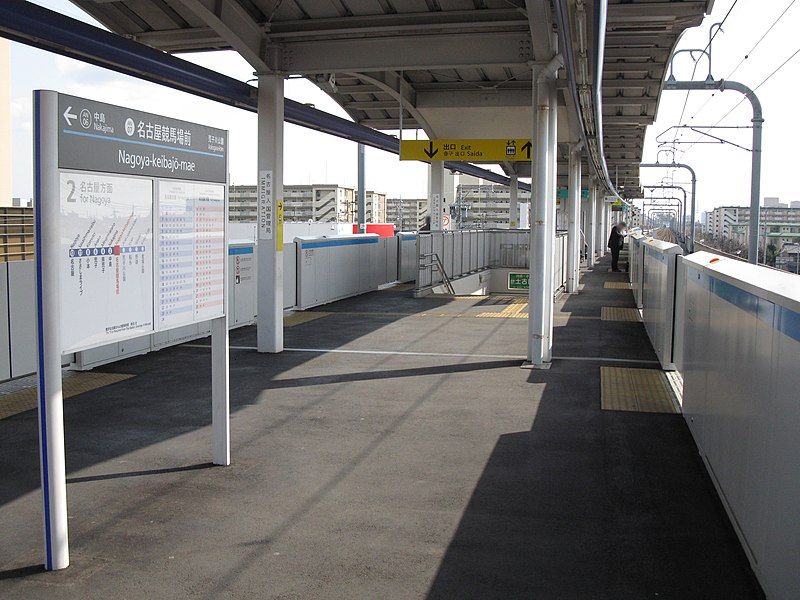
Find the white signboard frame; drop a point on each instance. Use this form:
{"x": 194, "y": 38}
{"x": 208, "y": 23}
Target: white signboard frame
{"x": 98, "y": 256}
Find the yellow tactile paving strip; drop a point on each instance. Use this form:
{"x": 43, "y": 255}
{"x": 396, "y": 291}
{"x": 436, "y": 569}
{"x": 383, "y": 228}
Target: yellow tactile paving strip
{"x": 637, "y": 390}
{"x": 74, "y": 383}
{"x": 617, "y": 285}
{"x": 676, "y": 383}
{"x": 515, "y": 309}
{"x": 303, "y": 317}
{"x": 613, "y": 313}
{"x": 504, "y": 299}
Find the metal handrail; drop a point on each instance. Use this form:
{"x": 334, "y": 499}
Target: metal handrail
{"x": 439, "y": 265}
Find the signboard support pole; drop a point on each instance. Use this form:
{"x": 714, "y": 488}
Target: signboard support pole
{"x": 361, "y": 217}
{"x": 574, "y": 208}
{"x": 513, "y": 199}
{"x": 591, "y": 225}
{"x": 437, "y": 189}
{"x": 220, "y": 400}
{"x": 48, "y": 322}
{"x": 270, "y": 222}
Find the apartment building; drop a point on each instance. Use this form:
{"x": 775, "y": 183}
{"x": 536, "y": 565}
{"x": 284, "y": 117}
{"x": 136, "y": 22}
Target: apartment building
{"x": 321, "y": 203}
{"x": 408, "y": 214}
{"x": 728, "y": 221}
{"x": 376, "y": 207}
{"x": 485, "y": 205}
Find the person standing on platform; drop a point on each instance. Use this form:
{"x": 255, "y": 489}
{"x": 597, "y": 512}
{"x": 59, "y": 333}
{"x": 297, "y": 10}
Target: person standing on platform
{"x": 615, "y": 242}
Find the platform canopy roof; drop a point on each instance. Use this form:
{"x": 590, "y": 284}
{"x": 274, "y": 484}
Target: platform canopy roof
{"x": 453, "y": 68}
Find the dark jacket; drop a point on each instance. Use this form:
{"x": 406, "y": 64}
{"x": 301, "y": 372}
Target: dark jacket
{"x": 616, "y": 239}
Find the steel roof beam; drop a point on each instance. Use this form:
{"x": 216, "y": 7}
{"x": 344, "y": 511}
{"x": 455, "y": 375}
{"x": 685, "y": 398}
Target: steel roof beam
{"x": 235, "y": 26}
{"x": 397, "y": 23}
{"x": 474, "y": 98}
{"x": 630, "y": 83}
{"x": 409, "y": 53}
{"x": 629, "y": 101}
{"x": 656, "y": 11}
{"x": 396, "y": 86}
{"x": 48, "y": 30}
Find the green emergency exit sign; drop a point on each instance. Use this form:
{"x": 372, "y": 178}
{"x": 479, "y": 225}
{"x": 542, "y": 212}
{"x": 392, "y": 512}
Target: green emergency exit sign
{"x": 518, "y": 281}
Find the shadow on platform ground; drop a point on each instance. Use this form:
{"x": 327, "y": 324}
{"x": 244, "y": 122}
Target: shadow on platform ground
{"x": 417, "y": 461}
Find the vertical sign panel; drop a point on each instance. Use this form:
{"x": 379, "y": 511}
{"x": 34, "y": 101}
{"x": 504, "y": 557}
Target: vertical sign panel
{"x": 176, "y": 254}
{"x": 209, "y": 251}
{"x": 265, "y": 205}
{"x": 191, "y": 261}
{"x": 107, "y": 258}
{"x": 436, "y": 213}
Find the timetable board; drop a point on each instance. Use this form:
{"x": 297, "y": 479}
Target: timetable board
{"x": 143, "y": 205}
{"x": 191, "y": 253}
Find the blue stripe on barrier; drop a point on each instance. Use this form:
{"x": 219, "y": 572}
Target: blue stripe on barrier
{"x": 242, "y": 250}
{"x": 332, "y": 243}
{"x": 37, "y": 207}
{"x": 787, "y": 322}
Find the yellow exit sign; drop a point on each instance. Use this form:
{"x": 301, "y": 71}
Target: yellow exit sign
{"x": 495, "y": 151}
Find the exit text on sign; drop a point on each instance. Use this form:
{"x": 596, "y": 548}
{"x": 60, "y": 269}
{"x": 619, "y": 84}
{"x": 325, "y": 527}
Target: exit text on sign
{"x": 499, "y": 150}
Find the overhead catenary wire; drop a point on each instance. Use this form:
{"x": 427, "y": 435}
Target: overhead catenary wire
{"x": 747, "y": 55}
{"x": 697, "y": 62}
{"x": 735, "y": 106}
{"x": 763, "y": 81}
{"x": 694, "y": 70}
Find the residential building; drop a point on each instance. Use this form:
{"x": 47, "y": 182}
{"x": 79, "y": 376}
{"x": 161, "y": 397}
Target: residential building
{"x": 321, "y": 203}
{"x": 775, "y": 233}
{"x": 788, "y": 258}
{"x": 376, "y": 207}
{"x": 727, "y": 221}
{"x": 242, "y": 206}
{"x": 408, "y": 214}
{"x": 485, "y": 205}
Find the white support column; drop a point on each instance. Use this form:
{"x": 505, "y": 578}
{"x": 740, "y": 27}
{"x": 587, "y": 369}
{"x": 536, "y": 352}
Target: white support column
{"x": 48, "y": 325}
{"x": 270, "y": 213}
{"x": 539, "y": 293}
{"x": 552, "y": 182}
{"x": 591, "y": 225}
{"x": 220, "y": 399}
{"x": 513, "y": 202}
{"x": 361, "y": 217}
{"x": 574, "y": 212}
{"x": 601, "y": 227}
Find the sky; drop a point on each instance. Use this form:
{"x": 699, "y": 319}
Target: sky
{"x": 723, "y": 171}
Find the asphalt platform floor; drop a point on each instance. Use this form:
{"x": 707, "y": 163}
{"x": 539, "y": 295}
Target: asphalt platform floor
{"x": 418, "y": 460}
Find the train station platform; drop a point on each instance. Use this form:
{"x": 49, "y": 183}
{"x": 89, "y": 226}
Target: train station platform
{"x": 395, "y": 450}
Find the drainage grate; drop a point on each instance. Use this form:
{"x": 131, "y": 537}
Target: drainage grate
{"x": 637, "y": 390}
